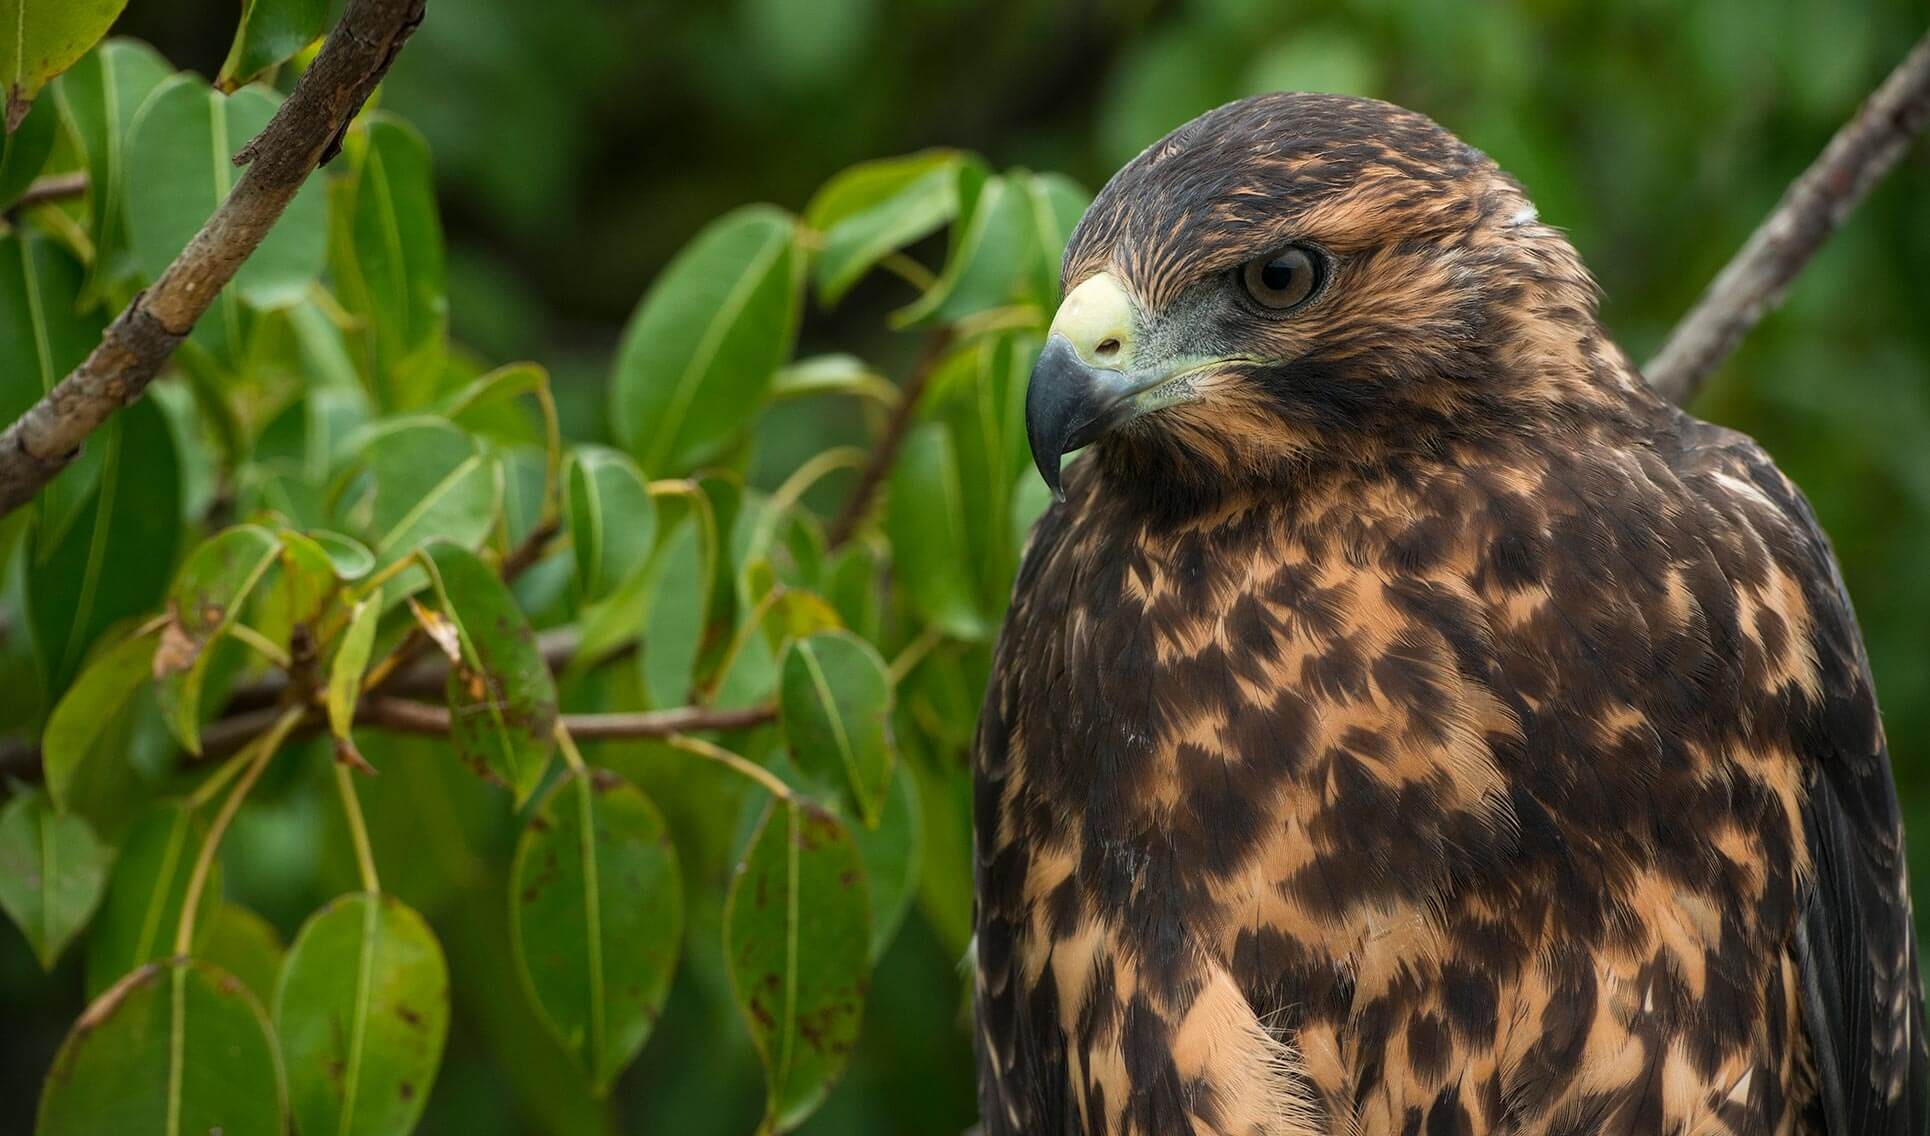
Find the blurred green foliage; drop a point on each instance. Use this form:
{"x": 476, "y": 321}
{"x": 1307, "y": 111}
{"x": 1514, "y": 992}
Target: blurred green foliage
{"x": 579, "y": 144}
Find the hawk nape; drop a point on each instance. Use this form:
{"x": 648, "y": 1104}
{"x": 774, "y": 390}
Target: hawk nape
{"x": 1406, "y": 722}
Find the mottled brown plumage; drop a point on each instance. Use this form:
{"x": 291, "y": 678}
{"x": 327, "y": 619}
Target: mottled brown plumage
{"x": 1413, "y": 725}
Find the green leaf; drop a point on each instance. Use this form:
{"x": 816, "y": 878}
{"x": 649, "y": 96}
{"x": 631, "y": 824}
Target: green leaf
{"x": 598, "y": 904}
{"x": 208, "y": 594}
{"x": 173, "y": 1048}
{"x": 892, "y": 854}
{"x": 42, "y": 335}
{"x": 77, "y": 582}
{"x": 99, "y": 99}
{"x": 835, "y": 704}
{"x": 796, "y": 933}
{"x": 980, "y": 394}
{"x": 699, "y": 353}
{"x": 270, "y": 32}
{"x": 52, "y": 871}
{"x": 501, "y": 694}
{"x": 246, "y": 946}
{"x": 988, "y": 258}
{"x": 831, "y": 374}
{"x": 673, "y": 632}
{"x": 72, "y": 755}
{"x": 23, "y": 153}
{"x": 137, "y": 920}
{"x": 432, "y": 482}
{"x": 875, "y": 208}
{"x": 1056, "y": 203}
{"x": 362, "y": 1012}
{"x": 929, "y": 536}
{"x": 390, "y": 270}
{"x": 350, "y": 662}
{"x": 612, "y": 519}
{"x": 44, "y": 38}
{"x": 349, "y": 558}
{"x": 180, "y": 155}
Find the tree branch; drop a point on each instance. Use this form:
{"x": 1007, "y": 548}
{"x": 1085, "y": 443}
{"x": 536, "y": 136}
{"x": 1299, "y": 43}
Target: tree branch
{"x": 305, "y": 132}
{"x": 1812, "y": 208}
{"x": 879, "y": 467}
{"x": 410, "y": 717}
{"x": 47, "y": 190}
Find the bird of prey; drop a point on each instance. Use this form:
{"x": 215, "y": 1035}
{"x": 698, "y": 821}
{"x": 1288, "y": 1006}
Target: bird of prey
{"x": 1406, "y": 722}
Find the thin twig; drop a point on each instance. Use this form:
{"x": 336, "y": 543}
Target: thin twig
{"x": 305, "y": 132}
{"x": 1812, "y": 208}
{"x": 49, "y": 190}
{"x": 885, "y": 454}
{"x": 407, "y": 716}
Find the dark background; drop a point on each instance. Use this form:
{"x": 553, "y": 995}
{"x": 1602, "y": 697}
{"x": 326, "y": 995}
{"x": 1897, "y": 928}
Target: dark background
{"x": 578, "y": 143}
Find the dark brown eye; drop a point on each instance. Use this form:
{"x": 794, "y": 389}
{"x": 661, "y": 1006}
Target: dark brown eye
{"x": 1283, "y": 280}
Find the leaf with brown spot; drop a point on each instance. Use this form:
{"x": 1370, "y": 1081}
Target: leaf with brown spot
{"x": 178, "y": 1043}
{"x": 796, "y": 936}
{"x": 502, "y": 698}
{"x": 362, "y": 1011}
{"x": 597, "y": 914}
{"x": 209, "y": 591}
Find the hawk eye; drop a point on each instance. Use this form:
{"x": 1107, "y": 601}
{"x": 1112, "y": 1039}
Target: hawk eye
{"x": 1282, "y": 281}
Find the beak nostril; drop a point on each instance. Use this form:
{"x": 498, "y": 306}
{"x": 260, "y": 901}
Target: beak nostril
{"x": 1107, "y": 348}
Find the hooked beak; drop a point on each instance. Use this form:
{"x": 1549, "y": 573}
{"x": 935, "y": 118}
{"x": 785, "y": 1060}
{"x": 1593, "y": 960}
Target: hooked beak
{"x": 1085, "y": 382}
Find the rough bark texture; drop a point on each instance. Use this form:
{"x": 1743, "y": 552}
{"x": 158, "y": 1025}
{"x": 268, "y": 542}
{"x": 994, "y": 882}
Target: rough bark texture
{"x": 1756, "y": 278}
{"x": 305, "y": 132}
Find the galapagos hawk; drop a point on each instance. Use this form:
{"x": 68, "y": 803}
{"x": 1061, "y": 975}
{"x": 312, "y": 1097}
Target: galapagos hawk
{"x": 1407, "y": 722}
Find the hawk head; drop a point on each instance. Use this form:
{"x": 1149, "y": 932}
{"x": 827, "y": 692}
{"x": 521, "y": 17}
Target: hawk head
{"x": 1294, "y": 277}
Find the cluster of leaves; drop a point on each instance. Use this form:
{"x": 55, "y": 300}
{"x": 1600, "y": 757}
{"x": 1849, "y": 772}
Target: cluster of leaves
{"x": 330, "y": 501}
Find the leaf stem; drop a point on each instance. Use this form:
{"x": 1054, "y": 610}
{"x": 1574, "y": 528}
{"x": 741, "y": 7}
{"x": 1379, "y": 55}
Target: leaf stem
{"x": 358, "y": 829}
{"x": 265, "y": 647}
{"x": 722, "y": 756}
{"x": 914, "y": 653}
{"x": 253, "y": 761}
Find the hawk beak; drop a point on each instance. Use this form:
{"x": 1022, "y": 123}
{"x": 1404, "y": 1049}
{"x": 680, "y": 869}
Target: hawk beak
{"x": 1083, "y": 385}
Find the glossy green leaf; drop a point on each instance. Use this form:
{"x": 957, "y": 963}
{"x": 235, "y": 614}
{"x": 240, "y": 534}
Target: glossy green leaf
{"x": 350, "y": 558}
{"x": 173, "y": 1048}
{"x": 362, "y": 1012}
{"x": 209, "y": 592}
{"x": 73, "y": 752}
{"x": 52, "y": 871}
{"x": 432, "y": 482}
{"x": 597, "y": 906}
{"x": 796, "y": 936}
{"x": 980, "y": 395}
{"x": 23, "y": 153}
{"x": 1055, "y": 203}
{"x": 137, "y": 920}
{"x": 832, "y": 374}
{"x": 501, "y": 694}
{"x": 42, "y": 337}
{"x": 270, "y": 32}
{"x": 179, "y": 157}
{"x": 99, "y": 99}
{"x": 246, "y": 946}
{"x": 893, "y": 853}
{"x": 835, "y": 702}
{"x": 612, "y": 519}
{"x": 76, "y": 585}
{"x": 875, "y": 208}
{"x": 390, "y": 272}
{"x": 351, "y": 661}
{"x": 929, "y": 535}
{"x": 989, "y": 254}
{"x": 700, "y": 351}
{"x": 44, "y": 38}
{"x": 673, "y": 633}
